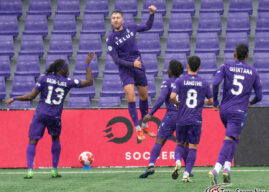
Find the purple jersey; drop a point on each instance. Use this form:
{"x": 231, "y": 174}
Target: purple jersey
{"x": 192, "y": 91}
{"x": 122, "y": 44}
{"x": 53, "y": 90}
{"x": 239, "y": 79}
{"x": 166, "y": 89}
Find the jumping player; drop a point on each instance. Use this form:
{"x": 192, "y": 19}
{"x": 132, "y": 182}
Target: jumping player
{"x": 191, "y": 91}
{"x": 239, "y": 79}
{"x": 53, "y": 87}
{"x": 168, "y": 125}
{"x": 123, "y": 49}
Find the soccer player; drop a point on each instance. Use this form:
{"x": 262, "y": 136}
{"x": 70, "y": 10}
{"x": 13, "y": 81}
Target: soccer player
{"x": 239, "y": 79}
{"x": 123, "y": 49}
{"x": 53, "y": 88}
{"x": 191, "y": 91}
{"x": 168, "y": 125}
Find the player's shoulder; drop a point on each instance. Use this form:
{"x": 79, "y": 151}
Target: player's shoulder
{"x": 110, "y": 37}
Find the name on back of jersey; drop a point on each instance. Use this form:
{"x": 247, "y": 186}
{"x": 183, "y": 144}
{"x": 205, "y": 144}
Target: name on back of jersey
{"x": 53, "y": 81}
{"x": 193, "y": 83}
{"x": 240, "y": 70}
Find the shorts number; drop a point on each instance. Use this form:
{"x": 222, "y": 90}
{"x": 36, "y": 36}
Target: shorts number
{"x": 60, "y": 95}
{"x": 191, "y": 100}
{"x": 237, "y": 83}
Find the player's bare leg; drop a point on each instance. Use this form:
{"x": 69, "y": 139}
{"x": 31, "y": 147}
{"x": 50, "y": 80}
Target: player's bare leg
{"x": 143, "y": 106}
{"x": 130, "y": 96}
{"x": 55, "y": 151}
{"x": 155, "y": 152}
{"x": 31, "y": 150}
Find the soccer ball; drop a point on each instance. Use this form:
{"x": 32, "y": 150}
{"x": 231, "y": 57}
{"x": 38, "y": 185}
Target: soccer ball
{"x": 86, "y": 158}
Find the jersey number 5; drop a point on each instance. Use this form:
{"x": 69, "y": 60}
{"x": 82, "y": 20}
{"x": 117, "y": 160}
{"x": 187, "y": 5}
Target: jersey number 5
{"x": 191, "y": 100}
{"x": 60, "y": 95}
{"x": 237, "y": 83}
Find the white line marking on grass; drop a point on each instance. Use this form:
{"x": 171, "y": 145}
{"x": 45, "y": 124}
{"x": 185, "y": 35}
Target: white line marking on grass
{"x": 112, "y": 172}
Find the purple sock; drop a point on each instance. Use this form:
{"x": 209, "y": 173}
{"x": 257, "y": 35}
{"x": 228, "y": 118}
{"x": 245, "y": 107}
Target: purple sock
{"x": 155, "y": 152}
{"x": 185, "y": 154}
{"x": 179, "y": 150}
{"x": 143, "y": 106}
{"x": 55, "y": 151}
{"x": 231, "y": 155}
{"x": 225, "y": 151}
{"x": 190, "y": 160}
{"x": 133, "y": 113}
{"x": 30, "y": 153}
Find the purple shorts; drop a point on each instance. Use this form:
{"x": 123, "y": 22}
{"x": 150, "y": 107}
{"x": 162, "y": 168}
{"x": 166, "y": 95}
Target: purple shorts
{"x": 234, "y": 123}
{"x": 167, "y": 127}
{"x": 133, "y": 76}
{"x": 40, "y": 122}
{"x": 188, "y": 133}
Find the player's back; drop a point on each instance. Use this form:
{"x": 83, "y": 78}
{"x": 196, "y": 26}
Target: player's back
{"x": 53, "y": 90}
{"x": 169, "y": 84}
{"x": 192, "y": 91}
{"x": 239, "y": 78}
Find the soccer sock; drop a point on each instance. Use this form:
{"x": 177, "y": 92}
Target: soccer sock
{"x": 55, "y": 151}
{"x": 228, "y": 162}
{"x": 155, "y": 152}
{"x": 133, "y": 114}
{"x": 190, "y": 160}
{"x": 143, "y": 106}
{"x": 227, "y": 165}
{"x": 224, "y": 153}
{"x": 185, "y": 154}
{"x": 30, "y": 153}
{"x": 179, "y": 150}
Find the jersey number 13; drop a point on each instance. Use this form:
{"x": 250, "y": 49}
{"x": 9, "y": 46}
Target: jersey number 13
{"x": 60, "y": 95}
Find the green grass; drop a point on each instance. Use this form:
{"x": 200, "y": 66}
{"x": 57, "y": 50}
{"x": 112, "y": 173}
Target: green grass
{"x": 126, "y": 180}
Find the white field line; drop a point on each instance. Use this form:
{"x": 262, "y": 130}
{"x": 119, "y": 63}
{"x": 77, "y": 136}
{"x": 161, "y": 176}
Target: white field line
{"x": 113, "y": 172}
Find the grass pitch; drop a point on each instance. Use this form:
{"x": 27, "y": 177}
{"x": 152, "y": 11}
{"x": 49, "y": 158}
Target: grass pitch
{"x": 126, "y": 180}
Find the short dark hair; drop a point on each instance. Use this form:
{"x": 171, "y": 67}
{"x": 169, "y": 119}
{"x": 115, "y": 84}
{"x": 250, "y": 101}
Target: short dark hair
{"x": 176, "y": 68}
{"x": 194, "y": 63}
{"x": 117, "y": 11}
{"x": 241, "y": 51}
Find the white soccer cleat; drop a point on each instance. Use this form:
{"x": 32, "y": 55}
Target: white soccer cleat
{"x": 186, "y": 178}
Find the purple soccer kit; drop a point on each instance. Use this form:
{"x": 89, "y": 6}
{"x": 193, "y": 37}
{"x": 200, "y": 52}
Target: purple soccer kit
{"x": 53, "y": 90}
{"x": 168, "y": 124}
{"x": 123, "y": 49}
{"x": 192, "y": 91}
{"x": 239, "y": 80}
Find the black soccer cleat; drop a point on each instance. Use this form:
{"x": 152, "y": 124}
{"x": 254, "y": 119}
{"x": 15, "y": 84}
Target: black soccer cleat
{"x": 150, "y": 171}
{"x": 176, "y": 171}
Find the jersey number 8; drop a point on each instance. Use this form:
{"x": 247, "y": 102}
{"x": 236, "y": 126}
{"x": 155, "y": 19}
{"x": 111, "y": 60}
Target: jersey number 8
{"x": 191, "y": 100}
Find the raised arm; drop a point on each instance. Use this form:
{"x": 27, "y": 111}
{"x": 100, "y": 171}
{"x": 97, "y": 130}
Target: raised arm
{"x": 89, "y": 78}
{"x": 149, "y": 23}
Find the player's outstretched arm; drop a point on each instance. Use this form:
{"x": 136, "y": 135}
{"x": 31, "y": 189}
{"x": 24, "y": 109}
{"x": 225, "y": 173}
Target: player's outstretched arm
{"x": 257, "y": 86}
{"x": 26, "y": 97}
{"x": 173, "y": 98}
{"x": 163, "y": 95}
{"x": 89, "y": 78}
